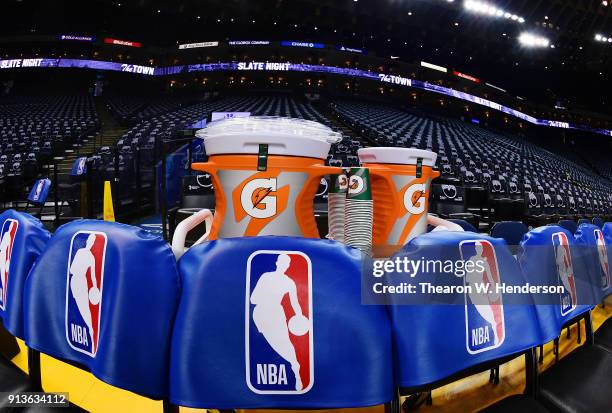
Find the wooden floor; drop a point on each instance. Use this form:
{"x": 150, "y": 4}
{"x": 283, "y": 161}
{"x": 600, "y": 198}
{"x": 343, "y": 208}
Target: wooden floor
{"x": 475, "y": 392}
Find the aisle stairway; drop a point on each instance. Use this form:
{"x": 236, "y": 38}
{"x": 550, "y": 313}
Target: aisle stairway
{"x": 110, "y": 131}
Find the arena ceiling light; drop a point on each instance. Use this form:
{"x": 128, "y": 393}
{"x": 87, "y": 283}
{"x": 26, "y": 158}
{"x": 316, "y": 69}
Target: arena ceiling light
{"x": 434, "y": 67}
{"x": 603, "y": 39}
{"x": 488, "y": 9}
{"x": 533, "y": 40}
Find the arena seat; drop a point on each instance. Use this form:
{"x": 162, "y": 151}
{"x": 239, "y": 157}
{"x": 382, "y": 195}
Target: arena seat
{"x": 541, "y": 260}
{"x": 33, "y": 128}
{"x": 448, "y": 199}
{"x": 598, "y": 221}
{"x": 592, "y": 243}
{"x": 223, "y": 358}
{"x": 569, "y": 225}
{"x": 603, "y": 336}
{"x": 122, "y": 335}
{"x": 465, "y": 345}
{"x": 580, "y": 382}
{"x": 511, "y": 231}
{"x": 22, "y": 239}
{"x": 511, "y": 168}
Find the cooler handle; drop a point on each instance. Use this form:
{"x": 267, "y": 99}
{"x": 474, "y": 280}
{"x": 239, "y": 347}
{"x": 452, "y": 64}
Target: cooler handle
{"x": 443, "y": 224}
{"x": 182, "y": 229}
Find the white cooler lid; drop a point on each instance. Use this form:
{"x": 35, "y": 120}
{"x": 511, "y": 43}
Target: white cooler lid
{"x": 284, "y": 136}
{"x": 401, "y": 156}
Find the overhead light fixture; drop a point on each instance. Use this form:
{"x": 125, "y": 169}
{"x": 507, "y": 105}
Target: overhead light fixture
{"x": 533, "y": 40}
{"x": 603, "y": 39}
{"x": 484, "y": 8}
{"x": 434, "y": 67}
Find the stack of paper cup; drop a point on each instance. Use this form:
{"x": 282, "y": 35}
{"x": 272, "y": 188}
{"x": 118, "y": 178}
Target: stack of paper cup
{"x": 359, "y": 211}
{"x": 336, "y": 204}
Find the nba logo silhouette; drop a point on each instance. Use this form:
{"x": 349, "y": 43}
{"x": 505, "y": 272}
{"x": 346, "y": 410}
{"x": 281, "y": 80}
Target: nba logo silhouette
{"x": 602, "y": 253}
{"x": 84, "y": 282}
{"x": 485, "y": 328}
{"x": 278, "y": 324}
{"x": 7, "y": 239}
{"x": 565, "y": 271}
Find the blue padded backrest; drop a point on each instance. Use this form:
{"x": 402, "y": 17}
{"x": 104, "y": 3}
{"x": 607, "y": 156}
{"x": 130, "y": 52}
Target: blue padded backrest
{"x": 607, "y": 233}
{"x": 231, "y": 346}
{"x": 596, "y": 254}
{"x": 119, "y": 328}
{"x": 598, "y": 221}
{"x": 549, "y": 256}
{"x": 569, "y": 225}
{"x": 511, "y": 231}
{"x": 22, "y": 240}
{"x": 446, "y": 333}
{"x": 40, "y": 191}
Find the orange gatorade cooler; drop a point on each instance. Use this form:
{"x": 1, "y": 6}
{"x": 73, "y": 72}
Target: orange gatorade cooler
{"x": 400, "y": 180}
{"x": 265, "y": 173}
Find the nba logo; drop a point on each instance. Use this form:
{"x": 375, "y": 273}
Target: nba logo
{"x": 485, "y": 328}
{"x": 602, "y": 253}
{"x": 81, "y": 166}
{"x": 84, "y": 282}
{"x": 565, "y": 271}
{"x": 7, "y": 238}
{"x": 278, "y": 324}
{"x": 39, "y": 188}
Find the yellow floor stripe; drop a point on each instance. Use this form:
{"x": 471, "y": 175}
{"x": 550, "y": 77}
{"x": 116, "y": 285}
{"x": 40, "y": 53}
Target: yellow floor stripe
{"x": 475, "y": 392}
{"x": 21, "y": 359}
{"x": 467, "y": 395}
{"x": 88, "y": 392}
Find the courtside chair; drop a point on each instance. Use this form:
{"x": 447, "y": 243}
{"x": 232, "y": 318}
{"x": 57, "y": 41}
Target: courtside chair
{"x": 238, "y": 341}
{"x": 22, "y": 239}
{"x": 111, "y": 331}
{"x": 456, "y": 339}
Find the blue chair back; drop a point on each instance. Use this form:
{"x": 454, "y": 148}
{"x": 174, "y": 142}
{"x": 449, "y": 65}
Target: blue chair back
{"x": 596, "y": 251}
{"x": 40, "y": 191}
{"x": 549, "y": 256}
{"x": 598, "y": 221}
{"x": 511, "y": 231}
{"x": 569, "y": 225}
{"x": 239, "y": 341}
{"x": 456, "y": 331}
{"x": 22, "y": 239}
{"x": 103, "y": 295}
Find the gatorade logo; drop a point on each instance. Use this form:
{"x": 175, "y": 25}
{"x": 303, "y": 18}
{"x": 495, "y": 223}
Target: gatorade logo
{"x": 414, "y": 199}
{"x": 343, "y": 182}
{"x": 257, "y": 198}
{"x": 261, "y": 199}
{"x": 356, "y": 185}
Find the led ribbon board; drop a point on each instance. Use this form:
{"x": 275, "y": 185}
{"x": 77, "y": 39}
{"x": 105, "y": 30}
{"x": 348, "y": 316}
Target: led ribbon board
{"x": 291, "y": 67}
{"x": 119, "y": 42}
